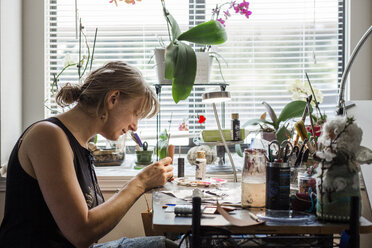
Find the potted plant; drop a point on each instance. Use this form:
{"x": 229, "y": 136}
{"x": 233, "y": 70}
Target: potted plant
{"x": 180, "y": 58}
{"x": 276, "y": 126}
{"x": 300, "y": 91}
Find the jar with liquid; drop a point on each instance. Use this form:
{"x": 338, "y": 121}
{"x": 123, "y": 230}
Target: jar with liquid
{"x": 254, "y": 178}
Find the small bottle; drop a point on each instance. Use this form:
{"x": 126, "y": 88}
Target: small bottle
{"x": 235, "y": 127}
{"x": 201, "y": 164}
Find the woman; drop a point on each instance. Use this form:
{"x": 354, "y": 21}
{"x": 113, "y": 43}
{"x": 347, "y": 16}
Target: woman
{"x": 52, "y": 195}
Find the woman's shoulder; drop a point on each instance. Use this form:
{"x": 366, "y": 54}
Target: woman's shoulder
{"x": 45, "y": 132}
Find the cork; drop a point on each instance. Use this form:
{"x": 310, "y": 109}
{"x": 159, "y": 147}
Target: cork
{"x": 235, "y": 116}
{"x": 200, "y": 154}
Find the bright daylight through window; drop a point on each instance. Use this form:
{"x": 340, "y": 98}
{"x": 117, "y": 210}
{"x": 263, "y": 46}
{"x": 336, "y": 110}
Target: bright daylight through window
{"x": 262, "y": 57}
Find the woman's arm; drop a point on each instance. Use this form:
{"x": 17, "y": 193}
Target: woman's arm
{"x": 46, "y": 148}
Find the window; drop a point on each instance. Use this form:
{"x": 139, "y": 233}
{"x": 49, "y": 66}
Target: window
{"x": 281, "y": 41}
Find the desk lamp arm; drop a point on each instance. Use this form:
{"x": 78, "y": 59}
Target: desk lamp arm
{"x": 224, "y": 141}
{"x": 341, "y": 100}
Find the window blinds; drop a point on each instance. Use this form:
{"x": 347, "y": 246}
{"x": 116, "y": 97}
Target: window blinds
{"x": 264, "y": 54}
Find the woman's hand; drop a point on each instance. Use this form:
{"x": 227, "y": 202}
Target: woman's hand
{"x": 156, "y": 174}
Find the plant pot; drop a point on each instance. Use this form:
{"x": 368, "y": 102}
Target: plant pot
{"x": 160, "y": 65}
{"x": 204, "y": 67}
{"x": 144, "y": 157}
{"x": 269, "y": 136}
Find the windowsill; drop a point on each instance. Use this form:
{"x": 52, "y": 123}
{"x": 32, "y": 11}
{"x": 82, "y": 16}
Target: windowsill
{"x": 112, "y": 178}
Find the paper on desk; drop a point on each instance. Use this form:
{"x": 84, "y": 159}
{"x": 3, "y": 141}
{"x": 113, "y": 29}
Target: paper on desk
{"x": 238, "y": 222}
{"x": 210, "y": 195}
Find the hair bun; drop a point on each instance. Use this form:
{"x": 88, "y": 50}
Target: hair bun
{"x": 68, "y": 94}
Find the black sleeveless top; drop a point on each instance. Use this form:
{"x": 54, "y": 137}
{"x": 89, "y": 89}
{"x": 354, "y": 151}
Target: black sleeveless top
{"x": 27, "y": 220}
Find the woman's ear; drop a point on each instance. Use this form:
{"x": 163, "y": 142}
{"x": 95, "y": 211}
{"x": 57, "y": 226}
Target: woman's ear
{"x": 112, "y": 98}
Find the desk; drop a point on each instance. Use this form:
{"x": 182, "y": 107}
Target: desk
{"x": 167, "y": 222}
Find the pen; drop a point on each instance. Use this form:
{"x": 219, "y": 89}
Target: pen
{"x": 253, "y": 216}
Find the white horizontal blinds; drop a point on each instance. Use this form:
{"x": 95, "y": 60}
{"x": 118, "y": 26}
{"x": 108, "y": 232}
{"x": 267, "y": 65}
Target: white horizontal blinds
{"x": 264, "y": 54}
{"x": 127, "y": 32}
{"x": 275, "y": 47}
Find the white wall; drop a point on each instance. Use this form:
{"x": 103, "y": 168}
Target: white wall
{"x": 33, "y": 49}
{"x": 10, "y": 75}
{"x": 361, "y": 71}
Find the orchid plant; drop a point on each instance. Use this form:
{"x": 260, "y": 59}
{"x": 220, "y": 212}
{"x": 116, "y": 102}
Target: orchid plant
{"x": 301, "y": 90}
{"x": 82, "y": 62}
{"x": 239, "y": 8}
{"x": 180, "y": 57}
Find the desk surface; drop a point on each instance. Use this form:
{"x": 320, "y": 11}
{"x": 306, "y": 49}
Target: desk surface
{"x": 165, "y": 221}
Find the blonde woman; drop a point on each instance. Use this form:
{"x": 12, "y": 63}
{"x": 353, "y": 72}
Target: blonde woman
{"x": 52, "y": 195}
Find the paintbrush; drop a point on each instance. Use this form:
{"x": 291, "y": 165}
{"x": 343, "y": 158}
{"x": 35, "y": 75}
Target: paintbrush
{"x": 136, "y": 139}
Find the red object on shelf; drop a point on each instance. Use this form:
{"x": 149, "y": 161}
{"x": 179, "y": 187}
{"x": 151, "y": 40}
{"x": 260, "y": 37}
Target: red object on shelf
{"x": 201, "y": 119}
{"x": 318, "y": 130}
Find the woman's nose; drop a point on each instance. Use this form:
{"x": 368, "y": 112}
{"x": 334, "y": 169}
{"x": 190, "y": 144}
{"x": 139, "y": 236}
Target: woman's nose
{"x": 133, "y": 126}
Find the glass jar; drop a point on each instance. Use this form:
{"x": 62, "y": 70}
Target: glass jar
{"x": 254, "y": 178}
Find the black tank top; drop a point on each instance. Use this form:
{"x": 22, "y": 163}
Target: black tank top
{"x": 27, "y": 220}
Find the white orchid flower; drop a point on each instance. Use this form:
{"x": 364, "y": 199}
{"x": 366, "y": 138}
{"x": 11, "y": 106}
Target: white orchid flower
{"x": 82, "y": 62}
{"x": 68, "y": 60}
{"x": 301, "y": 90}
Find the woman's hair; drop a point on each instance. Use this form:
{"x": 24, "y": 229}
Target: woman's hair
{"x": 112, "y": 76}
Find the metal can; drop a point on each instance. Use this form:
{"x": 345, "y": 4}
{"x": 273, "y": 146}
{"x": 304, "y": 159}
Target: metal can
{"x": 277, "y": 185}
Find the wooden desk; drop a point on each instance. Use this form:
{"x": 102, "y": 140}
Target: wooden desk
{"x": 167, "y": 222}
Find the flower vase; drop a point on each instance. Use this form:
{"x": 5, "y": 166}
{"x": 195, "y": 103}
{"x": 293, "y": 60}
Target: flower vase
{"x": 334, "y": 195}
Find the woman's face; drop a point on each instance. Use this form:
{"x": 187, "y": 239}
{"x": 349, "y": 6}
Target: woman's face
{"x": 122, "y": 117}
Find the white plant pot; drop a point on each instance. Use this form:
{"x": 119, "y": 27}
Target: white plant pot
{"x": 160, "y": 65}
{"x": 204, "y": 66}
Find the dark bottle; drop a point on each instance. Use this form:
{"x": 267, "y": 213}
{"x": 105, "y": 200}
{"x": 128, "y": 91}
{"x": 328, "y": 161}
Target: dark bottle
{"x": 235, "y": 126}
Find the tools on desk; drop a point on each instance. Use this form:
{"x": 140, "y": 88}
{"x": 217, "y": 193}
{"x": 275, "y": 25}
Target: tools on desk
{"x": 138, "y": 141}
{"x": 281, "y": 151}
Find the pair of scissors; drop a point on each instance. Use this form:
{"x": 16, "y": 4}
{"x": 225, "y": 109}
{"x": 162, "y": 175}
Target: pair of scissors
{"x": 282, "y": 151}
{"x": 301, "y": 153}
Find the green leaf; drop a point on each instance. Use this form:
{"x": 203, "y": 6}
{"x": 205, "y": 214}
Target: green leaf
{"x": 206, "y": 33}
{"x": 282, "y": 134}
{"x": 256, "y": 122}
{"x": 163, "y": 136}
{"x": 292, "y": 110}
{"x": 238, "y": 150}
{"x": 170, "y": 60}
{"x": 271, "y": 111}
{"x": 176, "y": 31}
{"x": 185, "y": 72}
